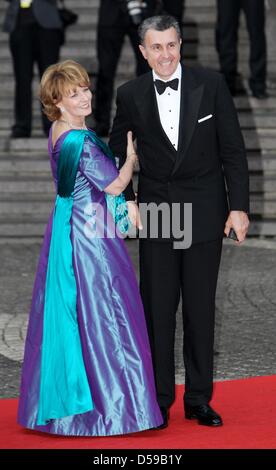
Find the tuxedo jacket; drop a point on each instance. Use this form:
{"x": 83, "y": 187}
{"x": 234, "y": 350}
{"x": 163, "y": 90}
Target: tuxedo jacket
{"x": 209, "y": 168}
{"x": 45, "y": 13}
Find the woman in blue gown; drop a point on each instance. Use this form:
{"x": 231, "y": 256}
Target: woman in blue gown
{"x": 87, "y": 367}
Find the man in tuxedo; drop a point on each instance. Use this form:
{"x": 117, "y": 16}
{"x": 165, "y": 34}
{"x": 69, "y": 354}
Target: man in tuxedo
{"x": 188, "y": 143}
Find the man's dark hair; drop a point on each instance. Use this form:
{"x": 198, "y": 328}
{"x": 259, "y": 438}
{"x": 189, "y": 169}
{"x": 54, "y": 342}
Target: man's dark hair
{"x": 158, "y": 23}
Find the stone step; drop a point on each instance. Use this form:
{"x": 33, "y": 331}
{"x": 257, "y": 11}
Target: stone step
{"x": 212, "y": 62}
{"x": 34, "y": 156}
{"x": 36, "y": 132}
{"x": 259, "y": 183}
{"x": 22, "y": 167}
{"x": 193, "y": 9}
{"x": 72, "y": 4}
{"x": 22, "y": 229}
{"x": 6, "y": 103}
{"x": 263, "y": 207}
{"x": 127, "y": 64}
{"x": 126, "y": 67}
{"x": 82, "y": 44}
{"x": 252, "y": 120}
{"x": 248, "y": 103}
{"x": 87, "y": 3}
{"x": 26, "y": 208}
{"x": 26, "y": 197}
{"x": 84, "y": 3}
{"x": 262, "y": 184}
{"x": 256, "y": 139}
{"x": 7, "y": 85}
{"x": 33, "y": 164}
{"x": 27, "y": 185}
{"x": 25, "y": 229}
{"x": 34, "y": 143}
{"x": 41, "y": 206}
{"x": 190, "y": 34}
{"x": 256, "y": 119}
{"x": 243, "y": 103}
{"x": 88, "y": 14}
{"x": 87, "y": 49}
{"x": 125, "y": 73}
{"x": 264, "y": 164}
{"x": 262, "y": 228}
{"x": 247, "y": 106}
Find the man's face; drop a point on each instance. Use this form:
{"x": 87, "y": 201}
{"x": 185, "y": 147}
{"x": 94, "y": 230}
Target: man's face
{"x": 162, "y": 51}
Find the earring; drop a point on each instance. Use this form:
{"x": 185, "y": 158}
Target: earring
{"x": 62, "y": 109}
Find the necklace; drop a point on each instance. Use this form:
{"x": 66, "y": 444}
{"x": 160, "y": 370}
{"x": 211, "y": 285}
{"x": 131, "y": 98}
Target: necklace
{"x": 84, "y": 128}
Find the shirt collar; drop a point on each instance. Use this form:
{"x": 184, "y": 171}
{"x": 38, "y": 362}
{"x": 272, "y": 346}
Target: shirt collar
{"x": 177, "y": 74}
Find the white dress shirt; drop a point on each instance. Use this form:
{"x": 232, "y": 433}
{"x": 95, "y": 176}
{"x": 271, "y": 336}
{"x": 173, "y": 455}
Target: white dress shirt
{"x": 169, "y": 107}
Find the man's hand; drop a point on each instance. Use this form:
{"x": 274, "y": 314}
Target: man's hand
{"x": 134, "y": 214}
{"x": 239, "y": 221}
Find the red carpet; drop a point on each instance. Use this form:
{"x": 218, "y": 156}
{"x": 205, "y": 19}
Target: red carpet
{"x": 248, "y": 407}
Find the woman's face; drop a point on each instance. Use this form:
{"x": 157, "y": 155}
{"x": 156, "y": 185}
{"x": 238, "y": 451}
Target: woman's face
{"x": 78, "y": 102}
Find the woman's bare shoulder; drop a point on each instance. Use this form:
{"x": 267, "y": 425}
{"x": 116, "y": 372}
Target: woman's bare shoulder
{"x": 58, "y": 128}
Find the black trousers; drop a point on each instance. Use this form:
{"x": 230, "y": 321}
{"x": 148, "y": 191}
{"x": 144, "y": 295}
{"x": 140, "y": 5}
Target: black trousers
{"x": 165, "y": 273}
{"x": 175, "y": 8}
{"x": 110, "y": 40}
{"x": 28, "y": 44}
{"x": 227, "y": 38}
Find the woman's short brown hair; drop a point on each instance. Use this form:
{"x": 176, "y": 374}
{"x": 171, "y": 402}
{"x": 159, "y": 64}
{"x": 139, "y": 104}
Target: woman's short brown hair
{"x": 57, "y": 81}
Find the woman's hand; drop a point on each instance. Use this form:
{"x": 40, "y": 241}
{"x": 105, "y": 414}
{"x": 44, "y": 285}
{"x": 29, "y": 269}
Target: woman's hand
{"x": 125, "y": 174}
{"x": 131, "y": 151}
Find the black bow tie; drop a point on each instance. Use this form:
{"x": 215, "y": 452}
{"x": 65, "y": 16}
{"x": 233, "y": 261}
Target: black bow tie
{"x": 161, "y": 86}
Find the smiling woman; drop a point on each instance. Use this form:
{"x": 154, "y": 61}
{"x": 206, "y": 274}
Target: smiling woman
{"x": 65, "y": 93}
{"x": 87, "y": 367}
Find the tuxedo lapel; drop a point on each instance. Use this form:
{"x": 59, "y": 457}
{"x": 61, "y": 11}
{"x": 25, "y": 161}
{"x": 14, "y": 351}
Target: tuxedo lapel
{"x": 146, "y": 103}
{"x": 191, "y": 95}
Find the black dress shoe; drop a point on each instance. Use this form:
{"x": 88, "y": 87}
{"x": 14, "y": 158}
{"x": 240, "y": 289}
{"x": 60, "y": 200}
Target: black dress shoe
{"x": 165, "y": 416}
{"x": 204, "y": 414}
